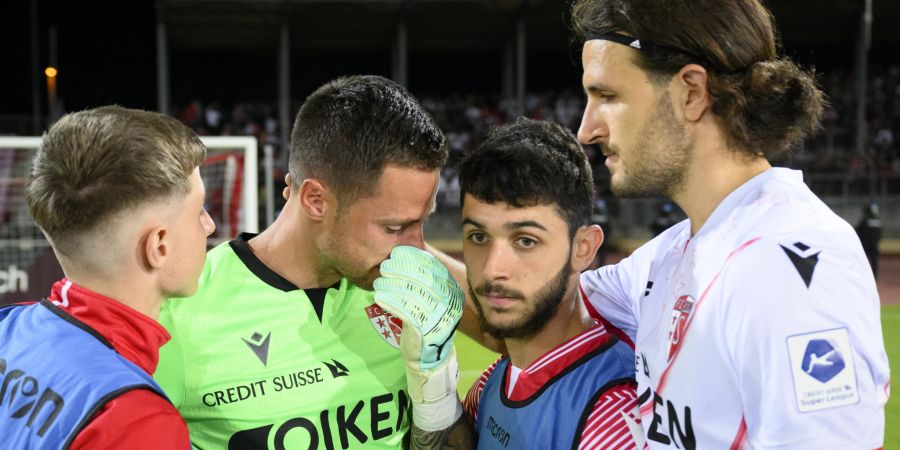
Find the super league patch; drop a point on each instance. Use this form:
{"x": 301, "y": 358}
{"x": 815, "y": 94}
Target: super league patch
{"x": 823, "y": 371}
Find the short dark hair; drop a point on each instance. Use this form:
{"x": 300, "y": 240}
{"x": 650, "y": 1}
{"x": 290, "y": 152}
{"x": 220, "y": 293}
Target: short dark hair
{"x": 530, "y": 163}
{"x": 766, "y": 103}
{"x": 350, "y": 128}
{"x": 93, "y": 164}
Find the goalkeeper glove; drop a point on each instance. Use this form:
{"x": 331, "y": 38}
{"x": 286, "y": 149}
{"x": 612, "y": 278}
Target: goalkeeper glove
{"x": 417, "y": 289}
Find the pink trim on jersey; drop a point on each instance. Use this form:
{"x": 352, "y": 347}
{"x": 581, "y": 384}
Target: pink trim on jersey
{"x": 605, "y": 428}
{"x": 687, "y": 326}
{"x": 647, "y": 408}
{"x": 609, "y": 326}
{"x": 741, "y": 437}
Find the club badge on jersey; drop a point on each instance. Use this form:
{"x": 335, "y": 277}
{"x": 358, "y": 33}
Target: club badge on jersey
{"x": 387, "y": 326}
{"x": 680, "y": 315}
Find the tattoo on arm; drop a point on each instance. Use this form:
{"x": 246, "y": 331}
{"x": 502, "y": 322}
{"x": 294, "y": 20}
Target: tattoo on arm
{"x": 460, "y": 435}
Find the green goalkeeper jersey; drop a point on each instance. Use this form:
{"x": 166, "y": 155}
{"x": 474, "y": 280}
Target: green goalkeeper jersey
{"x": 257, "y": 363}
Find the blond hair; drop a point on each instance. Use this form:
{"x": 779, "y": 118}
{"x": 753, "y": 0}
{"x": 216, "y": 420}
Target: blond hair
{"x": 96, "y": 163}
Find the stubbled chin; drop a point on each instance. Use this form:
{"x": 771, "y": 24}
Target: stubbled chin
{"x": 369, "y": 282}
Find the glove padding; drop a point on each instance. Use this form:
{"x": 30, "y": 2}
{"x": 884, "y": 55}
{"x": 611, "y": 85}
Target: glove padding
{"x": 417, "y": 289}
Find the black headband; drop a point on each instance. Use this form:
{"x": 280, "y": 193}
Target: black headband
{"x": 651, "y": 48}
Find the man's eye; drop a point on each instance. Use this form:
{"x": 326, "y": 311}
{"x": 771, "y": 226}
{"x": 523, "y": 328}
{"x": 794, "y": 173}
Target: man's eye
{"x": 477, "y": 238}
{"x": 605, "y": 97}
{"x": 393, "y": 229}
{"x": 526, "y": 242}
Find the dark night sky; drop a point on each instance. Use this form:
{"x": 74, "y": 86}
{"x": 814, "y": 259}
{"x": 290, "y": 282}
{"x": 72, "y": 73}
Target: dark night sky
{"x": 107, "y": 54}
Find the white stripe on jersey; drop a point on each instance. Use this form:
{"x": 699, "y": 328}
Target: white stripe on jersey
{"x": 557, "y": 353}
{"x": 606, "y": 428}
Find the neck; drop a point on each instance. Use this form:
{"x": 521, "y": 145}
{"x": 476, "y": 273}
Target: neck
{"x": 570, "y": 320}
{"x": 136, "y": 292}
{"x": 289, "y": 247}
{"x": 715, "y": 172}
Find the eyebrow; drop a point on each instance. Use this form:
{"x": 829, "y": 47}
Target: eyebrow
{"x": 400, "y": 222}
{"x": 596, "y": 87}
{"x": 508, "y": 225}
{"x": 407, "y": 221}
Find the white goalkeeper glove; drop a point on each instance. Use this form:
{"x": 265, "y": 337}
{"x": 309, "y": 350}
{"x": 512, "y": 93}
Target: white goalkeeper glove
{"x": 417, "y": 289}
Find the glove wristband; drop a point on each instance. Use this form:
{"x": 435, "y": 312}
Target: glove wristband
{"x": 433, "y": 394}
{"x": 437, "y": 416}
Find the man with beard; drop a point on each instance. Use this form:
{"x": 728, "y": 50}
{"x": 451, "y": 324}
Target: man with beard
{"x": 284, "y": 345}
{"x": 526, "y": 210}
{"x": 757, "y": 318}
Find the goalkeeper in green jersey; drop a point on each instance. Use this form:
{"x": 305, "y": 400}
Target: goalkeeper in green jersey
{"x": 331, "y": 328}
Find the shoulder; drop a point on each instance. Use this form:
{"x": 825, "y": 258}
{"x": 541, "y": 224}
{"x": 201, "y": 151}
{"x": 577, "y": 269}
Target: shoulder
{"x": 612, "y": 421}
{"x": 473, "y": 397}
{"x": 798, "y": 281}
{"x": 640, "y": 262}
{"x": 223, "y": 275}
{"x": 788, "y": 241}
{"x": 137, "y": 419}
{"x": 808, "y": 260}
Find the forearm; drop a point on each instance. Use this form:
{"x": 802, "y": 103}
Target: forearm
{"x": 460, "y": 435}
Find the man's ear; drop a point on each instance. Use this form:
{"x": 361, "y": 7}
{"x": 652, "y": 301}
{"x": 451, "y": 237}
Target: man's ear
{"x": 694, "y": 99}
{"x": 584, "y": 247}
{"x": 313, "y": 196}
{"x": 156, "y": 248}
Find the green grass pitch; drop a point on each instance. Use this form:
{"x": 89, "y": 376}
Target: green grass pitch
{"x": 890, "y": 320}
{"x": 473, "y": 359}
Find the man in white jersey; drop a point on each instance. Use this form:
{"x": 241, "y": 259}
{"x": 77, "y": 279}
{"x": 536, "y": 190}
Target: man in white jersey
{"x": 757, "y": 319}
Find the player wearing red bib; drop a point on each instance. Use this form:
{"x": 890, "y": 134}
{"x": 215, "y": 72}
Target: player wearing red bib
{"x": 566, "y": 382}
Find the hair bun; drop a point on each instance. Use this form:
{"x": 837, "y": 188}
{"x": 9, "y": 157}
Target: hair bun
{"x": 769, "y": 108}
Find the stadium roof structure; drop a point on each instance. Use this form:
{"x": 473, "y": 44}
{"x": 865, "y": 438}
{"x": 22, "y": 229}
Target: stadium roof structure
{"x": 361, "y": 24}
{"x": 445, "y": 24}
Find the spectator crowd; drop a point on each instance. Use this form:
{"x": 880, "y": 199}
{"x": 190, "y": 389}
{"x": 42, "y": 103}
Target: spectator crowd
{"x": 467, "y": 118}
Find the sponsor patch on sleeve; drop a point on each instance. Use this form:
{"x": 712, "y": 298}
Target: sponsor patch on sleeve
{"x": 823, "y": 370}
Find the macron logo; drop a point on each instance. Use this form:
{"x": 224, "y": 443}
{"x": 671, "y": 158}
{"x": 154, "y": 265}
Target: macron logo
{"x": 259, "y": 346}
{"x": 337, "y": 369}
{"x": 822, "y": 360}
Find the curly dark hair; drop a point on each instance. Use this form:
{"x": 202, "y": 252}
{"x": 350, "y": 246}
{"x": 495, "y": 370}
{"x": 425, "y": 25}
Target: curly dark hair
{"x": 529, "y": 163}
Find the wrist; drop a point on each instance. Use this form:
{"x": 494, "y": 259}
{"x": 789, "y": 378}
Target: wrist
{"x": 437, "y": 415}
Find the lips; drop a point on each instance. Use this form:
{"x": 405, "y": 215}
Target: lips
{"x": 608, "y": 153}
{"x": 500, "y": 302}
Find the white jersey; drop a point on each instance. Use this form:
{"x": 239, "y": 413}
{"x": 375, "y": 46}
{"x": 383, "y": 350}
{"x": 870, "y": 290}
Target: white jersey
{"x": 761, "y": 331}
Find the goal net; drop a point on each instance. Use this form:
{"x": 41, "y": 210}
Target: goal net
{"x": 27, "y": 264}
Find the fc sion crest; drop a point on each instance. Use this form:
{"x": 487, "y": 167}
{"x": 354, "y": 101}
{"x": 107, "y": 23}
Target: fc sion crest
{"x": 680, "y": 314}
{"x": 387, "y": 326}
